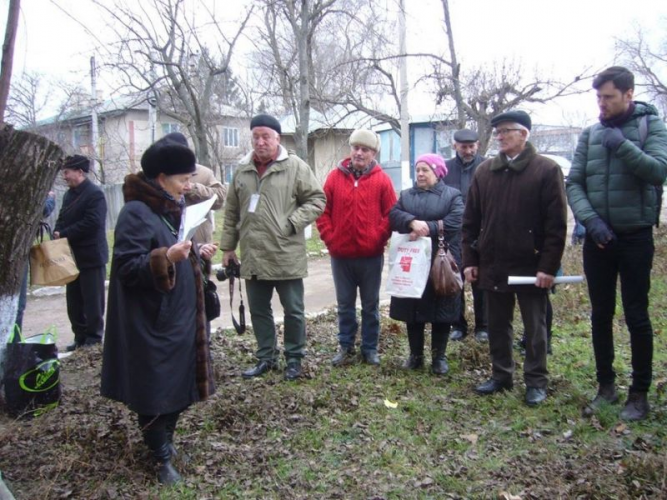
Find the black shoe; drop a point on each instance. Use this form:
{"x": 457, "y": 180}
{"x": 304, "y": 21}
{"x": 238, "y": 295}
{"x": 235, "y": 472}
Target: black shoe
{"x": 535, "y": 395}
{"x": 492, "y": 386}
{"x": 345, "y": 355}
{"x": 371, "y": 358}
{"x": 439, "y": 366}
{"x": 293, "y": 371}
{"x": 72, "y": 347}
{"x": 414, "y": 362}
{"x": 259, "y": 369}
{"x": 482, "y": 336}
{"x": 91, "y": 341}
{"x": 636, "y": 407}
{"x": 167, "y": 475}
{"x": 457, "y": 334}
{"x": 606, "y": 395}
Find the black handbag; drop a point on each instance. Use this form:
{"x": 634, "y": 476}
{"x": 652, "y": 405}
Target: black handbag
{"x": 211, "y": 300}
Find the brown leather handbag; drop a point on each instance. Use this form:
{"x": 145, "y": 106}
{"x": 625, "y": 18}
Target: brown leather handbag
{"x": 445, "y": 273}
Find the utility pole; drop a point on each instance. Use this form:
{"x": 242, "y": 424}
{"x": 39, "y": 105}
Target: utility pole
{"x": 405, "y": 115}
{"x": 94, "y": 132}
{"x": 8, "y": 55}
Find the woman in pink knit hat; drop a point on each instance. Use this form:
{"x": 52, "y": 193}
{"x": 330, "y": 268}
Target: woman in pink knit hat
{"x": 417, "y": 213}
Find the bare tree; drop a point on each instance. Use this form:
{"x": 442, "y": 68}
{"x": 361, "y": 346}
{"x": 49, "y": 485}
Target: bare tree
{"x": 28, "y": 98}
{"x": 161, "y": 48}
{"x": 483, "y": 92}
{"x": 649, "y": 62}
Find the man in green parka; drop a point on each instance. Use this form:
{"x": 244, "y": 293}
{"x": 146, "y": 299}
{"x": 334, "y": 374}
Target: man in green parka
{"x": 617, "y": 174}
{"x": 273, "y": 196}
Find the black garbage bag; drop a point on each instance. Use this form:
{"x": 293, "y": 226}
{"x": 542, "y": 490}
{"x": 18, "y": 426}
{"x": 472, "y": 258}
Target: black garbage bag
{"x": 32, "y": 375}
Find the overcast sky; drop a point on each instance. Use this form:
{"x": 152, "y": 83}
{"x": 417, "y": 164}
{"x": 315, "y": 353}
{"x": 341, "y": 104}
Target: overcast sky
{"x": 560, "y": 38}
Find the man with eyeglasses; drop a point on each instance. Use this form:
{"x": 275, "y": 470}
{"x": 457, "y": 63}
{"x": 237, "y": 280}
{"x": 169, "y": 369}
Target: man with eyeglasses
{"x": 619, "y": 167}
{"x": 514, "y": 224}
{"x": 460, "y": 171}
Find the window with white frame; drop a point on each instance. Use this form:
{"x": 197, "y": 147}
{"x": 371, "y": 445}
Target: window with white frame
{"x": 230, "y": 137}
{"x": 168, "y": 128}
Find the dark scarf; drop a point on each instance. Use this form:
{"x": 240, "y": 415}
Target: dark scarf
{"x": 518, "y": 164}
{"x": 617, "y": 121}
{"x": 358, "y": 173}
{"x": 138, "y": 187}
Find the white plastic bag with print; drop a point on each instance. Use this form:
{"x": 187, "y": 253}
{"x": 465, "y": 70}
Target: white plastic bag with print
{"x": 409, "y": 266}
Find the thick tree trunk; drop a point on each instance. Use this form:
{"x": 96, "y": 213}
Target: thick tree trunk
{"x": 28, "y": 166}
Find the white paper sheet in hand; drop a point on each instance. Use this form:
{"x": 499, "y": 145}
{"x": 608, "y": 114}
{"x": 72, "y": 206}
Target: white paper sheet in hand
{"x": 193, "y": 216}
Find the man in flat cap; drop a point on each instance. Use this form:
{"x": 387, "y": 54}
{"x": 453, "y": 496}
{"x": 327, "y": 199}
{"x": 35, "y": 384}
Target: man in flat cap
{"x": 617, "y": 174}
{"x": 514, "y": 224}
{"x": 461, "y": 170}
{"x": 82, "y": 220}
{"x": 355, "y": 229}
{"x": 273, "y": 196}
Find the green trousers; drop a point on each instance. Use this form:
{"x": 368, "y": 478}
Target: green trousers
{"x": 290, "y": 293}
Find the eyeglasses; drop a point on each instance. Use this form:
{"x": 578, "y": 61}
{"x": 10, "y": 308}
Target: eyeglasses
{"x": 504, "y": 131}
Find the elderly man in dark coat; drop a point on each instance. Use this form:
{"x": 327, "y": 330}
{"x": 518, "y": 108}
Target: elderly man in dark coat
{"x": 82, "y": 220}
{"x": 460, "y": 171}
{"x": 156, "y": 352}
{"x": 514, "y": 224}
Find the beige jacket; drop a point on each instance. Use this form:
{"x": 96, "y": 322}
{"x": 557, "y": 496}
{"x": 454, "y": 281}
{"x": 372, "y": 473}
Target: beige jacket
{"x": 204, "y": 185}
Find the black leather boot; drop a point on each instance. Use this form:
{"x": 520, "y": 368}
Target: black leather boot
{"x": 439, "y": 365}
{"x": 606, "y": 395}
{"x": 156, "y": 438}
{"x": 414, "y": 362}
{"x": 416, "y": 341}
{"x": 636, "y": 407}
{"x": 170, "y": 424}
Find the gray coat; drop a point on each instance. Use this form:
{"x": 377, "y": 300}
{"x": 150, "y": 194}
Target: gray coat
{"x": 441, "y": 202}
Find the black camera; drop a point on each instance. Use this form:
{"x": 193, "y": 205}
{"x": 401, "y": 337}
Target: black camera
{"x": 232, "y": 270}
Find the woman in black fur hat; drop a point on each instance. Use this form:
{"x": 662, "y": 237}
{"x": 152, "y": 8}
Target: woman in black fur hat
{"x": 156, "y": 352}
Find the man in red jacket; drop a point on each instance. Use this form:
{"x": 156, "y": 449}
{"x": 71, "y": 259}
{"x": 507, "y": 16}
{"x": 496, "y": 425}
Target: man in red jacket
{"x": 355, "y": 229}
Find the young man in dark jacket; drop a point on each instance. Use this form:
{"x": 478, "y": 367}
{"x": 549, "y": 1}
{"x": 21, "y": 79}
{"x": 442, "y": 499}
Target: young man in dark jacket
{"x": 612, "y": 191}
{"x": 460, "y": 171}
{"x": 82, "y": 220}
{"x": 514, "y": 224}
{"x": 355, "y": 229}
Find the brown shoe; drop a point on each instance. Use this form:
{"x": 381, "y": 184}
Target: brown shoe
{"x": 636, "y": 407}
{"x": 606, "y": 395}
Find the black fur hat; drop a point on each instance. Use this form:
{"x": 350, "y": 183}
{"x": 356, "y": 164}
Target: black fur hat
{"x": 168, "y": 157}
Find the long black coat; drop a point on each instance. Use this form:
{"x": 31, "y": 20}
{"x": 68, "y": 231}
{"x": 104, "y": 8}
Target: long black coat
{"x": 156, "y": 357}
{"x": 441, "y": 202}
{"x": 82, "y": 220}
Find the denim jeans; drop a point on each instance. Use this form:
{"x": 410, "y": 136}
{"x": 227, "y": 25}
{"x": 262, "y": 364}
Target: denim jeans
{"x": 366, "y": 275}
{"x": 631, "y": 258}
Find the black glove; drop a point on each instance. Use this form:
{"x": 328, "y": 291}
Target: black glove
{"x": 600, "y": 232}
{"x": 612, "y": 138}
